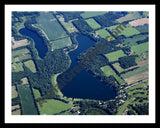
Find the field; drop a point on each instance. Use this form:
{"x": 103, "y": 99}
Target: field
{"x": 108, "y": 71}
{"x": 20, "y": 43}
{"x": 20, "y": 52}
{"x": 36, "y": 93}
{"x": 133, "y": 40}
{"x": 113, "y": 56}
{"x": 93, "y": 23}
{"x": 120, "y": 69}
{"x": 103, "y": 33}
{"x": 52, "y": 106}
{"x": 135, "y": 72}
{"x": 30, "y": 64}
{"x": 17, "y": 67}
{"x": 48, "y": 23}
{"x": 141, "y": 48}
{"x": 27, "y": 101}
{"x": 68, "y": 25}
{"x": 61, "y": 43}
{"x": 137, "y": 94}
{"x": 139, "y": 22}
{"x": 89, "y": 14}
{"x": 127, "y": 17}
{"x": 14, "y": 92}
{"x": 128, "y": 31}
{"x": 95, "y": 111}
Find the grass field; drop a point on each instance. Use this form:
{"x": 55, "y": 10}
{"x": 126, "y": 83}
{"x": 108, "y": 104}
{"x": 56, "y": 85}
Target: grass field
{"x": 17, "y": 67}
{"x": 92, "y": 14}
{"x": 104, "y": 33}
{"x": 113, "y": 56}
{"x": 108, "y": 71}
{"x": 135, "y": 72}
{"x": 52, "y": 106}
{"x": 27, "y": 101}
{"x": 95, "y": 111}
{"x": 141, "y": 48}
{"x": 36, "y": 93}
{"x": 30, "y": 64}
{"x": 20, "y": 52}
{"x": 48, "y": 23}
{"x": 61, "y": 43}
{"x": 128, "y": 31}
{"x": 93, "y": 23}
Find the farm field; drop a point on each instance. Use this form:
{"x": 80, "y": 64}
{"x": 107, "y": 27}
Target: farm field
{"x": 36, "y": 93}
{"x": 48, "y": 23}
{"x": 27, "y": 101}
{"x": 93, "y": 23}
{"x": 17, "y": 67}
{"x": 113, "y": 56}
{"x": 89, "y": 14}
{"x": 20, "y": 52}
{"x": 128, "y": 31}
{"x": 104, "y": 33}
{"x": 120, "y": 69}
{"x": 135, "y": 72}
{"x": 139, "y": 22}
{"x": 141, "y": 48}
{"x": 51, "y": 106}
{"x": 30, "y": 64}
{"x": 14, "y": 92}
{"x": 108, "y": 71}
{"x": 20, "y": 43}
{"x": 61, "y": 43}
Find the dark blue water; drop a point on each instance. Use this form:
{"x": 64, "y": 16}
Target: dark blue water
{"x": 84, "y": 85}
{"x": 39, "y": 43}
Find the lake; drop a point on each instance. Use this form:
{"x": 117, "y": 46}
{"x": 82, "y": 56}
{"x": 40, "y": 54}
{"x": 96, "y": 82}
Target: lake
{"x": 83, "y": 85}
{"x": 39, "y": 43}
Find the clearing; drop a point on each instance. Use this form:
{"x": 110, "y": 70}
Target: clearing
{"x": 30, "y": 64}
{"x": 91, "y": 22}
{"x": 139, "y": 22}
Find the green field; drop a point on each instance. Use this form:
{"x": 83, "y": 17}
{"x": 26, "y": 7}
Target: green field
{"x": 30, "y": 64}
{"x": 91, "y": 22}
{"x": 104, "y": 33}
{"x": 51, "y": 106}
{"x": 36, "y": 93}
{"x": 132, "y": 41}
{"x": 27, "y": 101}
{"x": 17, "y": 67}
{"x": 92, "y": 14}
{"x": 108, "y": 71}
{"x": 128, "y": 31}
{"x": 48, "y": 23}
{"x": 61, "y": 43}
{"x": 135, "y": 72}
{"x": 95, "y": 111}
{"x": 20, "y": 52}
{"x": 141, "y": 48}
{"x": 113, "y": 56}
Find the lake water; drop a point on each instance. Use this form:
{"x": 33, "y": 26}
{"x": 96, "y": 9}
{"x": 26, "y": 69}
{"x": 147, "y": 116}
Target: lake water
{"x": 83, "y": 85}
{"x": 39, "y": 43}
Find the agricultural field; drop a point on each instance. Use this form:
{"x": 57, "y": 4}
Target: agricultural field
{"x": 20, "y": 52}
{"x": 27, "y": 101}
{"x": 141, "y": 48}
{"x": 89, "y": 14}
{"x": 68, "y": 25}
{"x": 93, "y": 23}
{"x": 49, "y": 24}
{"x": 20, "y": 43}
{"x": 108, "y": 71}
{"x": 135, "y": 72}
{"x": 51, "y": 107}
{"x": 36, "y": 93}
{"x": 139, "y": 22}
{"x": 113, "y": 56}
{"x": 14, "y": 92}
{"x": 30, "y": 64}
{"x": 137, "y": 95}
{"x": 104, "y": 33}
{"x": 128, "y": 31}
{"x": 61, "y": 43}
{"x": 17, "y": 67}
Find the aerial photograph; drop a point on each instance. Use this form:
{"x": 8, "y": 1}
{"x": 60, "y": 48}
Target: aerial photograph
{"x": 79, "y": 63}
